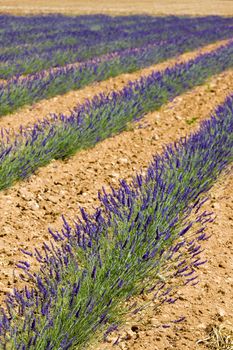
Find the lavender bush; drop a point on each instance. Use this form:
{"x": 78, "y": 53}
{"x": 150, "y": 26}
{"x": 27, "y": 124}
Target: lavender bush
{"x": 22, "y": 154}
{"x": 140, "y": 232}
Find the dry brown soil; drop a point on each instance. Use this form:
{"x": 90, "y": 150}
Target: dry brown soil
{"x": 112, "y": 7}
{"x": 64, "y": 104}
{"x": 30, "y": 207}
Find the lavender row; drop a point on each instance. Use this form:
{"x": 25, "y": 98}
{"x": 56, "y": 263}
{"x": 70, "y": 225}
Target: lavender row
{"x": 22, "y": 91}
{"x": 74, "y": 39}
{"x": 142, "y": 237}
{"x": 32, "y": 60}
{"x": 17, "y": 30}
{"x": 21, "y": 154}
{"x": 91, "y": 29}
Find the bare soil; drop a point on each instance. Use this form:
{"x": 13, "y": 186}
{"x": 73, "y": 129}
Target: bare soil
{"x": 120, "y": 7}
{"x": 28, "y": 115}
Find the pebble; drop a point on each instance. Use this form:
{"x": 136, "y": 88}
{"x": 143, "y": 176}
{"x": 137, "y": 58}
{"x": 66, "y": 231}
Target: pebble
{"x": 52, "y": 199}
{"x": 6, "y": 230}
{"x": 216, "y": 206}
{"x": 220, "y": 314}
{"x": 201, "y": 326}
{"x": 155, "y": 137}
{"x": 33, "y": 205}
{"x": 122, "y": 161}
{"x": 113, "y": 174}
{"x": 111, "y": 339}
{"x": 84, "y": 194}
{"x": 25, "y": 194}
{"x": 154, "y": 322}
{"x": 129, "y": 334}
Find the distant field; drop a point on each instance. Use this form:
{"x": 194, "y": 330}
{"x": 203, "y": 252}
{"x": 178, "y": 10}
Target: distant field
{"x": 192, "y": 7}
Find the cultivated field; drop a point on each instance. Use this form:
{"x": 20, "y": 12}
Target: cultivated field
{"x": 151, "y": 7}
{"x": 116, "y": 176}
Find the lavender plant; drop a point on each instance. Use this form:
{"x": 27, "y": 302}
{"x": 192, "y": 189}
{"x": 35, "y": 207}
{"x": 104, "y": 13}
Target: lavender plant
{"x": 105, "y": 115}
{"x": 139, "y": 232}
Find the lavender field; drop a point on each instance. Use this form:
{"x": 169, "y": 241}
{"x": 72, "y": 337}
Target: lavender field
{"x": 141, "y": 241}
